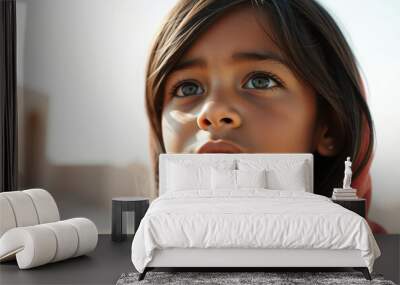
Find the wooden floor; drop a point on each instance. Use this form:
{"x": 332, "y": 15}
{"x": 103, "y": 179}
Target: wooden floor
{"x": 111, "y": 259}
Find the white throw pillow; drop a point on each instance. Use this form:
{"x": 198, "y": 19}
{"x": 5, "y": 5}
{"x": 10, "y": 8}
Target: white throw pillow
{"x": 188, "y": 174}
{"x": 251, "y": 178}
{"x": 181, "y": 177}
{"x": 223, "y": 179}
{"x": 293, "y": 179}
{"x": 228, "y": 179}
{"x": 282, "y": 174}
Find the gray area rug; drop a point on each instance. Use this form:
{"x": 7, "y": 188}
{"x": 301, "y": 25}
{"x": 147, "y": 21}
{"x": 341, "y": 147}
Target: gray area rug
{"x": 225, "y": 278}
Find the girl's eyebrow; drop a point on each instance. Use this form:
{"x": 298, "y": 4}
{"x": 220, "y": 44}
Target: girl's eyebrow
{"x": 257, "y": 56}
{"x": 190, "y": 63}
{"x": 239, "y": 56}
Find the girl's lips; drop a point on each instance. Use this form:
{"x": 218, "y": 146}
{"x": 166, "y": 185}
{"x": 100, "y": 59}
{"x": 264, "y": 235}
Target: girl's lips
{"x": 219, "y": 146}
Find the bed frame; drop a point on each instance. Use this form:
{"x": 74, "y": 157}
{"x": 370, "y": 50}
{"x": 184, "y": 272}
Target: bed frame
{"x": 247, "y": 259}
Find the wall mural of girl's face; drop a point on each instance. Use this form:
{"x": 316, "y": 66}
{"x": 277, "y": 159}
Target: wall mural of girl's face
{"x": 233, "y": 90}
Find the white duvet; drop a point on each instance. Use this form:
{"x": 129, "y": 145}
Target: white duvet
{"x": 250, "y": 218}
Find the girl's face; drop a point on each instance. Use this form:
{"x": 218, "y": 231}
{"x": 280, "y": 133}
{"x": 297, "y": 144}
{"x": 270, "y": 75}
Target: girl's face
{"x": 233, "y": 92}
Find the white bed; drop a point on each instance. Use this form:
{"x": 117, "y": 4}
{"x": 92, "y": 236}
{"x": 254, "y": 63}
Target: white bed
{"x": 248, "y": 227}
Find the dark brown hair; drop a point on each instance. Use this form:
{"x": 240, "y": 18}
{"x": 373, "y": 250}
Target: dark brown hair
{"x": 316, "y": 51}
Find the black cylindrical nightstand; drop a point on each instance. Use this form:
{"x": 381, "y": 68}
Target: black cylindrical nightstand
{"x": 139, "y": 205}
{"x": 356, "y": 205}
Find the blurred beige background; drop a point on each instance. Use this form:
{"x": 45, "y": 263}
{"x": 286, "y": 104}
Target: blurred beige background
{"x": 83, "y": 130}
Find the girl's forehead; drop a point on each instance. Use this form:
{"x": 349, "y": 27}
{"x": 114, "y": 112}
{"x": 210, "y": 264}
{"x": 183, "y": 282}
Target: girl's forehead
{"x": 238, "y": 30}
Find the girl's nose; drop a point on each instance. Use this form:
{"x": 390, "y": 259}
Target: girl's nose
{"x": 216, "y": 115}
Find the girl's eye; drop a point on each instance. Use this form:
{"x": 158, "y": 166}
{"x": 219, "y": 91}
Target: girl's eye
{"x": 261, "y": 81}
{"x": 188, "y": 89}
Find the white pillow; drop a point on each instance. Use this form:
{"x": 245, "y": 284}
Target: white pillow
{"x": 228, "y": 179}
{"x": 251, "y": 178}
{"x": 293, "y": 179}
{"x": 223, "y": 179}
{"x": 186, "y": 174}
{"x": 282, "y": 174}
{"x": 181, "y": 177}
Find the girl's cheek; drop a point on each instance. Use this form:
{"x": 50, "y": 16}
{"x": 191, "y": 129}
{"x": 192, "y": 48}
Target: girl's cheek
{"x": 284, "y": 123}
{"x": 178, "y": 128}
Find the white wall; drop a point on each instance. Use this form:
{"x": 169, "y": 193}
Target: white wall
{"x": 88, "y": 57}
{"x": 81, "y": 83}
{"x": 83, "y": 129}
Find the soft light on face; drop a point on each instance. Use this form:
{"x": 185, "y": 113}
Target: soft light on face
{"x": 233, "y": 85}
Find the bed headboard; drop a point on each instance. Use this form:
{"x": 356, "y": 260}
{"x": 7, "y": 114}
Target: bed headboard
{"x": 165, "y": 158}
